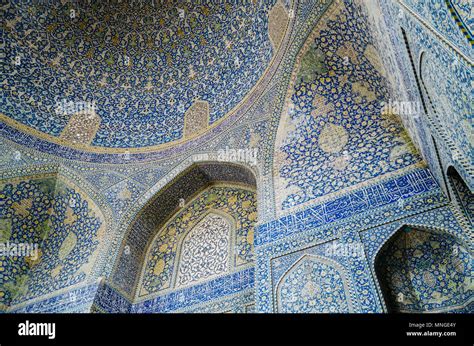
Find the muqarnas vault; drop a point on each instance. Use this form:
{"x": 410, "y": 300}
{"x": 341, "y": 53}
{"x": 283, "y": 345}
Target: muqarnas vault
{"x": 292, "y": 156}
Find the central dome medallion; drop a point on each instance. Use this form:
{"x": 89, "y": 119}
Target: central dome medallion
{"x": 125, "y": 74}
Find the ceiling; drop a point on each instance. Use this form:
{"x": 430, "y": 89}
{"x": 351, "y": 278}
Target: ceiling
{"x": 123, "y": 75}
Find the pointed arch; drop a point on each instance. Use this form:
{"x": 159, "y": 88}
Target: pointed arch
{"x": 321, "y": 288}
{"x": 423, "y": 270}
{"x": 462, "y": 194}
{"x": 159, "y": 208}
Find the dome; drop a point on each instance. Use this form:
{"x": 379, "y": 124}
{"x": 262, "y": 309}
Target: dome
{"x": 114, "y": 76}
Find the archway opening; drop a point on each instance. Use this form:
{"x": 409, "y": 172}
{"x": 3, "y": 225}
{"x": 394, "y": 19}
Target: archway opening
{"x": 424, "y": 271}
{"x": 463, "y": 196}
{"x": 198, "y": 228}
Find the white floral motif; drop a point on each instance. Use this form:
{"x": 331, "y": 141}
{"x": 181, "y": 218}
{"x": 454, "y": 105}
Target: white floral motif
{"x": 205, "y": 250}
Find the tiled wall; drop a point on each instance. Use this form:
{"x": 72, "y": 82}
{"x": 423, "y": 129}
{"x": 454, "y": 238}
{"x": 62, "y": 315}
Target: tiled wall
{"x": 337, "y": 175}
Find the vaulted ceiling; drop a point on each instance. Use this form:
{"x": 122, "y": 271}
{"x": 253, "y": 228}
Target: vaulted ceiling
{"x": 123, "y": 75}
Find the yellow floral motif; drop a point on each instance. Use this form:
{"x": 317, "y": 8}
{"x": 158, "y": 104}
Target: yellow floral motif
{"x": 362, "y": 89}
{"x": 55, "y": 272}
{"x": 34, "y": 260}
{"x": 347, "y": 50}
{"x": 253, "y": 216}
{"x": 372, "y": 55}
{"x": 321, "y": 106}
{"x": 159, "y": 266}
{"x": 171, "y": 231}
{"x": 232, "y": 200}
{"x": 163, "y": 247}
{"x": 418, "y": 253}
{"x": 70, "y": 216}
{"x": 277, "y": 21}
{"x": 21, "y": 208}
{"x": 116, "y": 40}
{"x": 250, "y": 236}
{"x": 211, "y": 198}
{"x": 67, "y": 246}
{"x": 333, "y": 138}
{"x": 186, "y": 217}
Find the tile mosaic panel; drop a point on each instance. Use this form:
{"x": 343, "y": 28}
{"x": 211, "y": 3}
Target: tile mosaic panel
{"x": 424, "y": 271}
{"x": 334, "y": 132}
{"x": 222, "y": 218}
{"x": 142, "y": 65}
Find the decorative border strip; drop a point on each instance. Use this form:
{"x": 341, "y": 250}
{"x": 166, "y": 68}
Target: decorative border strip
{"x": 235, "y": 303}
{"x": 105, "y": 298}
{"x": 78, "y": 299}
{"x": 204, "y": 292}
{"x": 416, "y": 184}
{"x": 299, "y": 37}
{"x": 462, "y": 26}
{"x": 111, "y": 300}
